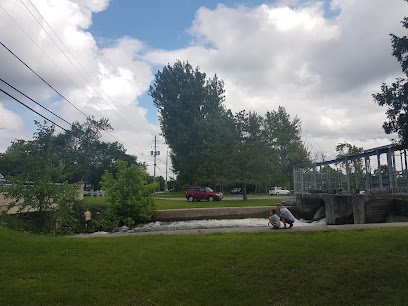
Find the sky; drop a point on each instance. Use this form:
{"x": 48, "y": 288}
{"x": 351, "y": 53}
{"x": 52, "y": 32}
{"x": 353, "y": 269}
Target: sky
{"x": 321, "y": 60}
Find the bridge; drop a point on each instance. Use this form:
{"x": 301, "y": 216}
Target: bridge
{"x": 368, "y": 187}
{"x": 353, "y": 208}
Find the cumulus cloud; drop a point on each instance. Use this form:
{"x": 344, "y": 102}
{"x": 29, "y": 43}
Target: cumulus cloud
{"x": 103, "y": 82}
{"x": 321, "y": 67}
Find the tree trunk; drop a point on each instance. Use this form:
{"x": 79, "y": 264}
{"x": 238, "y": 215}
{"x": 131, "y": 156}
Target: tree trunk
{"x": 244, "y": 192}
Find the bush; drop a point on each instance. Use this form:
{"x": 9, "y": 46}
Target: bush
{"x": 129, "y": 194}
{"x": 107, "y": 222}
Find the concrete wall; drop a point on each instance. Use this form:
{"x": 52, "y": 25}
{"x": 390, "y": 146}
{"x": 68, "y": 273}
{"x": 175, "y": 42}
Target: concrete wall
{"x": 338, "y": 207}
{"x": 352, "y": 208}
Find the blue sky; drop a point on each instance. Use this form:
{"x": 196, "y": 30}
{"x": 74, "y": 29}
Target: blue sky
{"x": 161, "y": 24}
{"x": 322, "y": 65}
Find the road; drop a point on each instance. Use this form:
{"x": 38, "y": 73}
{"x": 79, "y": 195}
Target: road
{"x": 239, "y": 197}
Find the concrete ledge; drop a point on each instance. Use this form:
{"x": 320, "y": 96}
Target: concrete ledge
{"x": 216, "y": 213}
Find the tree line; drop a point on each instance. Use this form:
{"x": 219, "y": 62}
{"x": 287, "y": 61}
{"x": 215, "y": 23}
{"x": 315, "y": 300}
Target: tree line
{"x": 211, "y": 145}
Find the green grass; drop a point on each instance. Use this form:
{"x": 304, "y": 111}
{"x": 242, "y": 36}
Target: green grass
{"x": 94, "y": 202}
{"x": 358, "y": 267}
{"x": 177, "y": 204}
{"x": 162, "y": 203}
{"x": 170, "y": 195}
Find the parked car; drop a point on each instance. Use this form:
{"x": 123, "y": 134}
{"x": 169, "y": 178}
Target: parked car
{"x": 203, "y": 193}
{"x": 236, "y": 191}
{"x": 278, "y": 191}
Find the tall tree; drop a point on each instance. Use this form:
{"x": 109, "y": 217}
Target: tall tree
{"x": 190, "y": 106}
{"x": 283, "y": 135}
{"x": 249, "y": 154}
{"x": 395, "y": 96}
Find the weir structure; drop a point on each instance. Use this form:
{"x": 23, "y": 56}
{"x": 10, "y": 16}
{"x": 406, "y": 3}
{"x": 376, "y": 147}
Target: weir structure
{"x": 353, "y": 189}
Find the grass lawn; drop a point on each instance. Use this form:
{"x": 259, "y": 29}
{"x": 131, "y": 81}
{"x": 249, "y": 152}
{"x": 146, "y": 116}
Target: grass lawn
{"x": 176, "y": 204}
{"x": 358, "y": 267}
{"x": 101, "y": 202}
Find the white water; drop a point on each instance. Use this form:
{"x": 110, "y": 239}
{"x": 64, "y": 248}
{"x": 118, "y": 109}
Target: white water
{"x": 204, "y": 224}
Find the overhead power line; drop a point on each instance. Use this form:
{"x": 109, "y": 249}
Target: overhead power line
{"x": 4, "y": 128}
{"x": 52, "y": 86}
{"x": 99, "y": 94}
{"x": 39, "y": 104}
{"x": 42, "y": 79}
{"x": 32, "y": 109}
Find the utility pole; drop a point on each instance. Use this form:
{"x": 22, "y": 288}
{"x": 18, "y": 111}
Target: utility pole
{"x": 154, "y": 153}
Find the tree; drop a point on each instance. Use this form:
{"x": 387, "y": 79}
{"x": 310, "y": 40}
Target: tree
{"x": 395, "y": 96}
{"x": 190, "y": 109}
{"x": 130, "y": 196}
{"x": 85, "y": 156}
{"x": 284, "y": 138}
{"x": 39, "y": 185}
{"x": 79, "y": 151}
{"x": 249, "y": 158}
{"x": 356, "y": 166}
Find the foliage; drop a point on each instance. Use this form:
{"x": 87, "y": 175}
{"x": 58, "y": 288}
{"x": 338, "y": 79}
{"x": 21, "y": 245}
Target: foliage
{"x": 78, "y": 152}
{"x": 283, "y": 135}
{"x": 85, "y": 157}
{"x": 190, "y": 108}
{"x": 356, "y": 166}
{"x": 249, "y": 154}
{"x": 107, "y": 221}
{"x": 395, "y": 96}
{"x": 213, "y": 147}
{"x": 41, "y": 186}
{"x": 128, "y": 192}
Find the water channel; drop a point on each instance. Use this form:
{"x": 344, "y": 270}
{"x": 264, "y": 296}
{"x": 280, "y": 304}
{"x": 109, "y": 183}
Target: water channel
{"x": 205, "y": 224}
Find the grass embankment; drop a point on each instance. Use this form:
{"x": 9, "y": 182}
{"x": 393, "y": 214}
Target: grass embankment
{"x": 163, "y": 203}
{"x": 358, "y": 267}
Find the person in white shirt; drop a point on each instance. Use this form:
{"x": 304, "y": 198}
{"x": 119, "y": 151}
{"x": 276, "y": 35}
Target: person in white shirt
{"x": 274, "y": 219}
{"x": 285, "y": 216}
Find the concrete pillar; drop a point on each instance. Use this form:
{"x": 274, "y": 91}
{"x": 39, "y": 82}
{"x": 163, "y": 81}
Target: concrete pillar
{"x": 355, "y": 174}
{"x": 367, "y": 172}
{"x": 347, "y": 174}
{"x": 379, "y": 169}
{"x": 390, "y": 176}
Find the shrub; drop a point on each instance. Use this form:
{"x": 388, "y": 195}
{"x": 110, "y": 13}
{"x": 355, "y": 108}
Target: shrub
{"x": 129, "y": 193}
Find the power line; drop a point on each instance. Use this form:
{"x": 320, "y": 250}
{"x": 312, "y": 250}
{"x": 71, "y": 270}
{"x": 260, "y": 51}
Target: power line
{"x": 53, "y": 87}
{"x": 54, "y": 65}
{"x": 34, "y": 101}
{"x": 42, "y": 79}
{"x": 62, "y": 96}
{"x": 15, "y": 132}
{"x": 32, "y": 109}
{"x": 75, "y": 60}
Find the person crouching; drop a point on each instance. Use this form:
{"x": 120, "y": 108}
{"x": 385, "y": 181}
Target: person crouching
{"x": 274, "y": 219}
{"x": 285, "y": 216}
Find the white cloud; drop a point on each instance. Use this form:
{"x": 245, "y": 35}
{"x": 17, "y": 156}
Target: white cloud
{"x": 110, "y": 87}
{"x": 321, "y": 69}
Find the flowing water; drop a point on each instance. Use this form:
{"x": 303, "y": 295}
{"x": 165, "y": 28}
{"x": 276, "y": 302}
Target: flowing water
{"x": 204, "y": 224}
